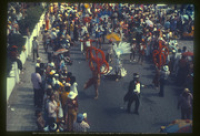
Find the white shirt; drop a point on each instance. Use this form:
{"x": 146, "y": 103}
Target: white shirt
{"x": 74, "y": 88}
{"x": 137, "y": 88}
{"x": 52, "y": 106}
{"x": 36, "y": 79}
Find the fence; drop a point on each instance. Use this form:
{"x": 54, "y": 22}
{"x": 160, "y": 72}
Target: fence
{"x": 14, "y": 73}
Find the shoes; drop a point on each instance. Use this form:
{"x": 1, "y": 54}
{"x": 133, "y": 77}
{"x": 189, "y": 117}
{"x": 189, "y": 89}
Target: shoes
{"x": 130, "y": 60}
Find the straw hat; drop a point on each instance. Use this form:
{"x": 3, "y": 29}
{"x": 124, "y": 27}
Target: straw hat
{"x": 186, "y": 90}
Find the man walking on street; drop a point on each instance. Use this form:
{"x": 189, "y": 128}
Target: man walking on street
{"x": 37, "y": 87}
{"x": 35, "y": 48}
{"x": 133, "y": 94}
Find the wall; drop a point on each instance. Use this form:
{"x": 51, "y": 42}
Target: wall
{"x": 14, "y": 73}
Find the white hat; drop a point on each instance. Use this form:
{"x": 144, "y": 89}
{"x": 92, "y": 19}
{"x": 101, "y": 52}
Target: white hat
{"x": 166, "y": 68}
{"x": 49, "y": 87}
{"x": 56, "y": 75}
{"x": 52, "y": 64}
{"x": 72, "y": 95}
{"x": 67, "y": 84}
{"x": 37, "y": 65}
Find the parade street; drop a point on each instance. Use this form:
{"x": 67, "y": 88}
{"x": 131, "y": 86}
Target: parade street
{"x": 108, "y": 113}
{"x": 100, "y": 68}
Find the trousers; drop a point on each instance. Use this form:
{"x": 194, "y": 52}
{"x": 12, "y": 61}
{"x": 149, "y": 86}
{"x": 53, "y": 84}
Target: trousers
{"x": 38, "y": 97}
{"x": 135, "y": 97}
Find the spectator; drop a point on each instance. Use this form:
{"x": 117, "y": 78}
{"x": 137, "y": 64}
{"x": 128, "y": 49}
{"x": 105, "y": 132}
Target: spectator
{"x": 81, "y": 124}
{"x": 37, "y": 87}
{"x": 35, "y": 48}
{"x": 40, "y": 121}
{"x": 185, "y": 102}
{"x": 53, "y": 108}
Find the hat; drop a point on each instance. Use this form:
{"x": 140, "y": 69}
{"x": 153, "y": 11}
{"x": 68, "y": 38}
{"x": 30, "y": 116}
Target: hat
{"x": 39, "y": 59}
{"x": 52, "y": 72}
{"x": 166, "y": 68}
{"x": 136, "y": 75}
{"x": 56, "y": 75}
{"x": 155, "y": 29}
{"x": 186, "y": 90}
{"x": 54, "y": 29}
{"x": 134, "y": 39}
{"x": 37, "y": 65}
{"x": 173, "y": 51}
{"x": 49, "y": 87}
{"x": 67, "y": 84}
{"x": 80, "y": 118}
{"x": 72, "y": 95}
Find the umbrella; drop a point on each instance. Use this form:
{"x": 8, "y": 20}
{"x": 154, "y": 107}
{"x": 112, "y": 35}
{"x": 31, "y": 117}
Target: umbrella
{"x": 178, "y": 126}
{"x": 60, "y": 51}
{"x": 113, "y": 37}
{"x": 188, "y": 53}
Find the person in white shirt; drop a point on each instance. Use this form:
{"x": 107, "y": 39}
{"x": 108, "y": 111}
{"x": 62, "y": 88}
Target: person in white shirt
{"x": 37, "y": 87}
{"x": 35, "y": 48}
{"x": 53, "y": 107}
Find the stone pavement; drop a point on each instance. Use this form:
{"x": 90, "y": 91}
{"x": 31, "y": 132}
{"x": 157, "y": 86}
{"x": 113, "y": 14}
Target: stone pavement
{"x": 20, "y": 109}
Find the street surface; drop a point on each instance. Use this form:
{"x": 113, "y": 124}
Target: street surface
{"x": 108, "y": 113}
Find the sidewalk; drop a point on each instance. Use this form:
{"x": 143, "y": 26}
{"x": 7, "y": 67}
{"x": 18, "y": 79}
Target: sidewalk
{"x": 20, "y": 114}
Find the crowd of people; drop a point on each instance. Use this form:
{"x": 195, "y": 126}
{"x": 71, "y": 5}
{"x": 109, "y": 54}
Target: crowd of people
{"x": 67, "y": 24}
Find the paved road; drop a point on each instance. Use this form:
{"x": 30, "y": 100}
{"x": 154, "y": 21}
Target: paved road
{"x": 105, "y": 115}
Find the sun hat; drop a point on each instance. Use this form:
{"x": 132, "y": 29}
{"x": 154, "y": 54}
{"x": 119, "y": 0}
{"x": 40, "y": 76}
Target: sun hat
{"x": 37, "y": 65}
{"x": 166, "y": 68}
{"x": 52, "y": 64}
{"x": 80, "y": 118}
{"x": 186, "y": 90}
